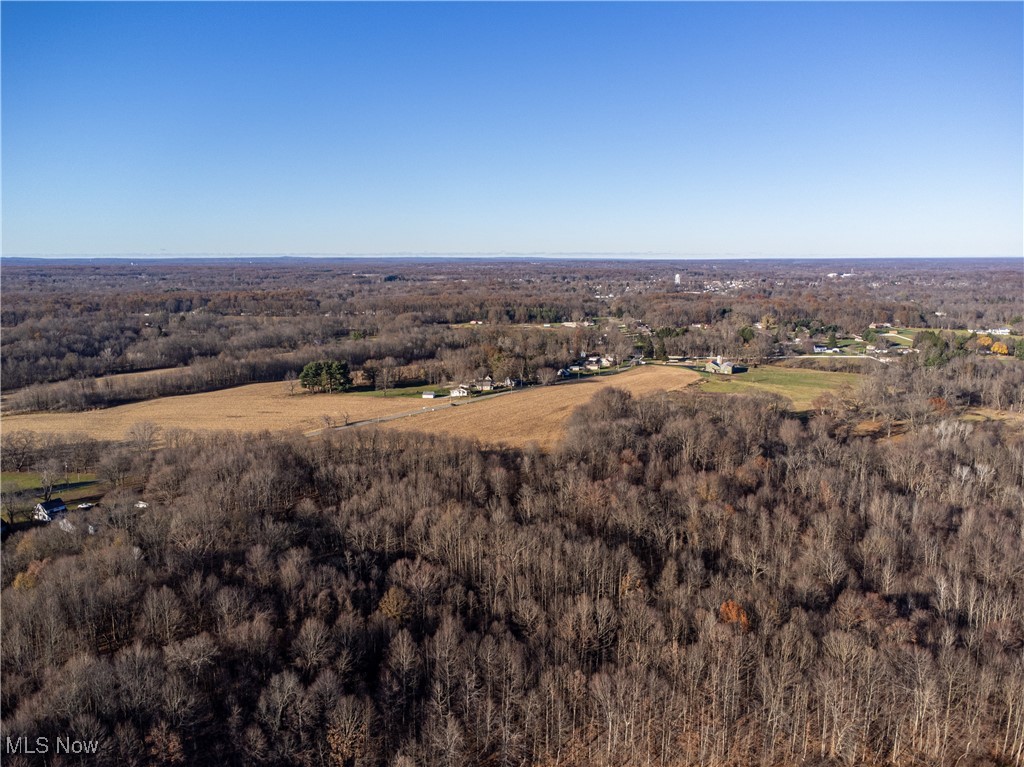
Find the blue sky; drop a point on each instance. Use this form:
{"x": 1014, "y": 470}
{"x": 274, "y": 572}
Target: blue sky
{"x": 708, "y": 129}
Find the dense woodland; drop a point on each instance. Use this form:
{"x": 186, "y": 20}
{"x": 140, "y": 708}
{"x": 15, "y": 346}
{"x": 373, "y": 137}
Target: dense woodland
{"x": 686, "y": 581}
{"x": 689, "y": 579}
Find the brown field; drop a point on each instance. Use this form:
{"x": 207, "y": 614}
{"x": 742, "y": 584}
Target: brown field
{"x": 518, "y": 418}
{"x": 538, "y": 415}
{"x": 245, "y": 408}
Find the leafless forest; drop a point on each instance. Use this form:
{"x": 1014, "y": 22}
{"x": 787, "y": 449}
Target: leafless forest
{"x": 687, "y": 579}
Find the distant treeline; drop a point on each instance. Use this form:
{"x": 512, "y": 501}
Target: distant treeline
{"x": 67, "y": 321}
{"x": 428, "y": 355}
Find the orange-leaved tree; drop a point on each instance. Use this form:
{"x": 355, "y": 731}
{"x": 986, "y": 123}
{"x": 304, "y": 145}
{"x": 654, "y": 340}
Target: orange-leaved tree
{"x": 732, "y": 612}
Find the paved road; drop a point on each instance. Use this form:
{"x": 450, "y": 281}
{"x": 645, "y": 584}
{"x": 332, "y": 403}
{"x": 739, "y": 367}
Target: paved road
{"x": 837, "y": 357}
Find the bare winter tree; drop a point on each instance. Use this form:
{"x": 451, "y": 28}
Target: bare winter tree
{"x": 142, "y": 436}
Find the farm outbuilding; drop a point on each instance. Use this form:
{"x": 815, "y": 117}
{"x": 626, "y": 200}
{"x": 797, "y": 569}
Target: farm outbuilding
{"x": 723, "y": 367}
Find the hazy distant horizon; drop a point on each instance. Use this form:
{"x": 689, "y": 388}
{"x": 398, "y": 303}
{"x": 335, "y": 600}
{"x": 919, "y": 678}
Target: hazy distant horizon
{"x": 491, "y": 256}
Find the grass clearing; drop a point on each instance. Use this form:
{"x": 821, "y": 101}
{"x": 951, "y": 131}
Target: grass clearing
{"x": 1007, "y": 417}
{"x": 897, "y": 338}
{"x": 962, "y": 332}
{"x": 19, "y": 480}
{"x": 801, "y": 386}
{"x": 407, "y": 391}
{"x": 30, "y": 480}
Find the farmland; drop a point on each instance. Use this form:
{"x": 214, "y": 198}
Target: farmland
{"x": 252, "y": 408}
{"x": 535, "y": 415}
{"x": 538, "y": 415}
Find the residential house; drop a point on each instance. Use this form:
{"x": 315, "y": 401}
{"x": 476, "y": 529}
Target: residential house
{"x": 47, "y": 511}
{"x": 460, "y": 391}
{"x": 598, "y": 362}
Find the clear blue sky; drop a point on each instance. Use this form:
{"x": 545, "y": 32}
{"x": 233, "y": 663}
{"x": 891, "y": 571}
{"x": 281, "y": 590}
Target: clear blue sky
{"x": 805, "y": 129}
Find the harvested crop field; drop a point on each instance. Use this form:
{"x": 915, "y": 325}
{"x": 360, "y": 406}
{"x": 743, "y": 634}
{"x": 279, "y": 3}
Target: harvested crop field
{"x": 538, "y": 415}
{"x": 252, "y": 408}
{"x": 517, "y": 418}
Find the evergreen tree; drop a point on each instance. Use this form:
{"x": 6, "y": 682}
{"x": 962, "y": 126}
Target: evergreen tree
{"x": 326, "y": 376}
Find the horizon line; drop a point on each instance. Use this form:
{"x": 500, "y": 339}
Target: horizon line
{"x": 566, "y": 255}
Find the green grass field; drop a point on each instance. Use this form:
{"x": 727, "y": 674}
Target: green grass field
{"x": 800, "y": 386}
{"x": 19, "y": 480}
{"x": 915, "y": 331}
{"x": 898, "y": 337}
{"x": 403, "y": 391}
